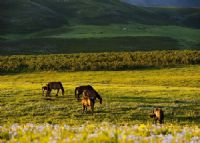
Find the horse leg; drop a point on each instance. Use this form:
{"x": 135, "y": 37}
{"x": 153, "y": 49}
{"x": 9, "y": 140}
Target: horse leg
{"x": 48, "y": 92}
{"x": 92, "y": 108}
{"x": 84, "y": 108}
{"x": 156, "y": 120}
{"x": 78, "y": 96}
{"x": 57, "y": 92}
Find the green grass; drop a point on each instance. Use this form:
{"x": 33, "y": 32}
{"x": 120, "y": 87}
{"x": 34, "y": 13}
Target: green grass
{"x": 187, "y": 37}
{"x": 92, "y": 45}
{"x": 88, "y": 38}
{"x": 128, "y": 96}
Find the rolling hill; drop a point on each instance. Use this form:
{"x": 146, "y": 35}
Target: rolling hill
{"x": 74, "y": 26}
{"x": 19, "y": 16}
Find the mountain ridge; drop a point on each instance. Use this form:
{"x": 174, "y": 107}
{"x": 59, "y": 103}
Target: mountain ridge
{"x": 165, "y": 3}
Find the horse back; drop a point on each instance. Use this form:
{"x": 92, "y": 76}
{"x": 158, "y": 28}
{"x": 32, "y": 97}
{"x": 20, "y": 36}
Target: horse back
{"x": 90, "y": 94}
{"x": 54, "y": 85}
{"x": 84, "y": 87}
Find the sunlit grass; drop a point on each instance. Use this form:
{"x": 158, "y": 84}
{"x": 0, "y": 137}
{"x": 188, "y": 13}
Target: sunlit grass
{"x": 187, "y": 37}
{"x": 128, "y": 96}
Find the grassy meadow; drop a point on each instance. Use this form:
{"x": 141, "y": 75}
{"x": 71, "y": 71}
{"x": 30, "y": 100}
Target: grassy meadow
{"x": 128, "y": 99}
{"x": 128, "y": 96}
{"x": 137, "y": 58}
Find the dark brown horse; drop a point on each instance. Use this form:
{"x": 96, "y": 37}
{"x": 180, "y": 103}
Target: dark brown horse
{"x": 56, "y": 86}
{"x": 79, "y": 90}
{"x": 88, "y": 100}
{"x": 158, "y": 115}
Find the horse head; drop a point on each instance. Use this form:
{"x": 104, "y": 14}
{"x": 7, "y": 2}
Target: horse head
{"x": 100, "y": 100}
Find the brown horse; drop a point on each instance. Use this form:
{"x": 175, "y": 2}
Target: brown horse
{"x": 44, "y": 88}
{"x": 79, "y": 90}
{"x": 56, "y": 86}
{"x": 88, "y": 100}
{"x": 158, "y": 115}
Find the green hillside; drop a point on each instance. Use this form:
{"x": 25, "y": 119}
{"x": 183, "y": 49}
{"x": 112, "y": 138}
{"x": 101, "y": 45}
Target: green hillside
{"x": 102, "y": 12}
{"x": 19, "y": 16}
{"x": 182, "y": 16}
{"x": 74, "y": 26}
{"x": 110, "y": 38}
{"x": 34, "y": 15}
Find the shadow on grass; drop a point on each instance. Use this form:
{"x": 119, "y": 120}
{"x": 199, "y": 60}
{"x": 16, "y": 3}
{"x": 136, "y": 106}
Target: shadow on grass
{"x": 49, "y": 98}
{"x": 183, "y": 119}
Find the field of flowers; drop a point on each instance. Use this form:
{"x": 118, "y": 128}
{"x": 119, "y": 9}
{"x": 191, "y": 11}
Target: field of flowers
{"x": 103, "y": 132}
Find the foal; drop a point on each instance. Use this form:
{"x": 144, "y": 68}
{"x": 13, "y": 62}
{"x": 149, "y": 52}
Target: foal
{"x": 88, "y": 99}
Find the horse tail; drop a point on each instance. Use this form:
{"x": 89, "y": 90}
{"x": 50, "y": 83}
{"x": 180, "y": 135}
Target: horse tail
{"x": 42, "y": 91}
{"x": 62, "y": 88}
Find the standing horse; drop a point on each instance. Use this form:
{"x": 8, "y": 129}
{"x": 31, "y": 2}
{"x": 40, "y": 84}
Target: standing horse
{"x": 88, "y": 100}
{"x": 56, "y": 86}
{"x": 79, "y": 90}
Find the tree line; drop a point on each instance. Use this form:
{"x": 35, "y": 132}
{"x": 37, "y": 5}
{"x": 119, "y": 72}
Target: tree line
{"x": 97, "y": 61}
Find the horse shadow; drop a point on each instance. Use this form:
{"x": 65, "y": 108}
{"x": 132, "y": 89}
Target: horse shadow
{"x": 49, "y": 99}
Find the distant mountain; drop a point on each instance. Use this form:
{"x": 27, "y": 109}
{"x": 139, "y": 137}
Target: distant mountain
{"x": 165, "y": 3}
{"x": 17, "y": 16}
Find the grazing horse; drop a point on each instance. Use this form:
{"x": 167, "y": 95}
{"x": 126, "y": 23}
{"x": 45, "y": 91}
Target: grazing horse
{"x": 158, "y": 115}
{"x": 56, "y": 86}
{"x": 79, "y": 90}
{"x": 43, "y": 89}
{"x": 88, "y": 100}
